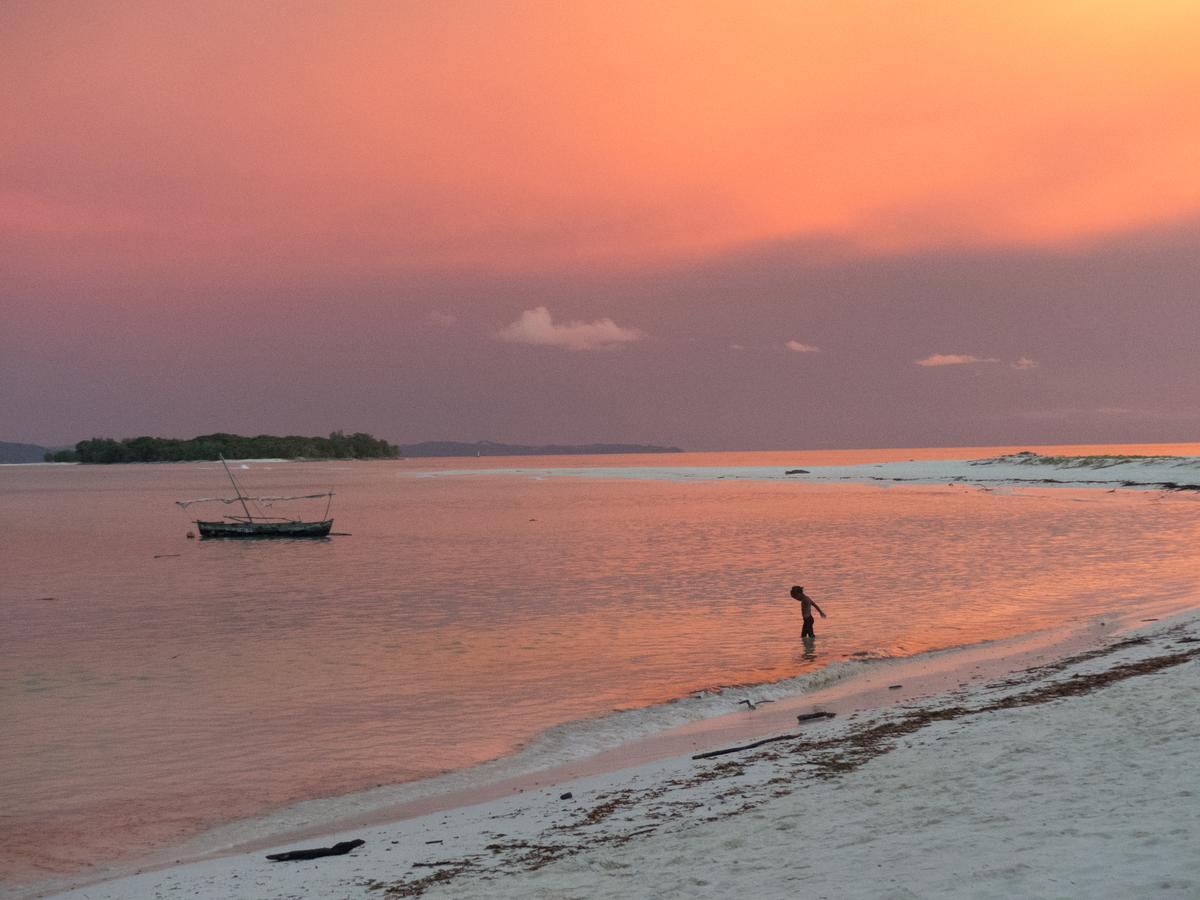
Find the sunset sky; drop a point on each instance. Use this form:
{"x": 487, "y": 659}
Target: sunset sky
{"x": 736, "y": 225}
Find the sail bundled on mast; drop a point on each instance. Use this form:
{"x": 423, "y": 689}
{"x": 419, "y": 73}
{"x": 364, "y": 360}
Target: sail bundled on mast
{"x": 186, "y": 503}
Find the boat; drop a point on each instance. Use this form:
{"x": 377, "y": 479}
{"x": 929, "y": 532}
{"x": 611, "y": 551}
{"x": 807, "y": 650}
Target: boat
{"x": 256, "y": 528}
{"x": 260, "y": 525}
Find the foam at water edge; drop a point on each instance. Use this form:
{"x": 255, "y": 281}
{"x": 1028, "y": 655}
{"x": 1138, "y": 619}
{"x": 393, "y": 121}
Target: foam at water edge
{"x": 578, "y": 740}
{"x": 565, "y": 743}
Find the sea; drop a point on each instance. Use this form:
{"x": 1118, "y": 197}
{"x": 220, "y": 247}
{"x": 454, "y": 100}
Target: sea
{"x": 486, "y": 612}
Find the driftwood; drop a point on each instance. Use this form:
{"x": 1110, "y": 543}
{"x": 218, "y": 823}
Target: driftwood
{"x": 711, "y": 753}
{"x": 803, "y": 717}
{"x": 316, "y": 852}
{"x": 808, "y": 717}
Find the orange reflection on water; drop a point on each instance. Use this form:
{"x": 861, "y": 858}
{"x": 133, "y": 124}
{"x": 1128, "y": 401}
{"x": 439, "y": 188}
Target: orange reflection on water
{"x": 146, "y": 698}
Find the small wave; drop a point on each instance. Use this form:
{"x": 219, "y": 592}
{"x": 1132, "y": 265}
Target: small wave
{"x": 563, "y": 744}
{"x": 582, "y": 738}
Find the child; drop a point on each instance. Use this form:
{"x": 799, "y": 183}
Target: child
{"x": 806, "y": 607}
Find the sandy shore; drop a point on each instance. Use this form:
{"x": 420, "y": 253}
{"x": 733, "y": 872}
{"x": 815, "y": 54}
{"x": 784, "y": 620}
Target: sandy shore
{"x": 1014, "y": 470}
{"x": 1075, "y": 777}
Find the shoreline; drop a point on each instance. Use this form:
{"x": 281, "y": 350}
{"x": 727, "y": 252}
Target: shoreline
{"x": 315, "y": 818}
{"x": 1009, "y": 472}
{"x": 238, "y": 847}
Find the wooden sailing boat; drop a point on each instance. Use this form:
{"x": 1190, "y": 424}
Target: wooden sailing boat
{"x": 259, "y": 526}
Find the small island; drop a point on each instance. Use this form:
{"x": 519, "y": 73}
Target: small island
{"x": 359, "y": 445}
{"x": 230, "y": 446}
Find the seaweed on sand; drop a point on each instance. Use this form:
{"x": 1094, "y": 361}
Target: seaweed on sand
{"x": 793, "y": 763}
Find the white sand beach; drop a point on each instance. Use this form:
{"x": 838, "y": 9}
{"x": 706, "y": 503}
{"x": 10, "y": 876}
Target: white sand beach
{"x": 1006, "y": 471}
{"x": 1074, "y": 777}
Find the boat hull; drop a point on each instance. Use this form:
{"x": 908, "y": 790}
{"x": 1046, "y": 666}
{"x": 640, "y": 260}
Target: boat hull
{"x": 264, "y": 529}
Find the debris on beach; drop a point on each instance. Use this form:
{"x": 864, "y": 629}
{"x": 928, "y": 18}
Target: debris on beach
{"x": 711, "y": 753}
{"x": 786, "y": 762}
{"x": 316, "y": 852}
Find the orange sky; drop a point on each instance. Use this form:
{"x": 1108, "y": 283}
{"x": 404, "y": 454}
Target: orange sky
{"x": 736, "y": 225}
{"x": 521, "y": 135}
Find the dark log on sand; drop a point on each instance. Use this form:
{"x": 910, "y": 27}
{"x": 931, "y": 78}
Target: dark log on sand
{"x": 316, "y": 852}
{"x": 808, "y": 717}
{"x": 782, "y": 737}
{"x": 711, "y": 753}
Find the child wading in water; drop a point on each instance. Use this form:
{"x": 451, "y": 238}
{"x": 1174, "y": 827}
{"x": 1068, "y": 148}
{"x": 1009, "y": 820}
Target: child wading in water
{"x": 807, "y": 604}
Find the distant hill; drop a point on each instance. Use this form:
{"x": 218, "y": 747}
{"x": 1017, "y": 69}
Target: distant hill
{"x": 491, "y": 448}
{"x": 21, "y": 453}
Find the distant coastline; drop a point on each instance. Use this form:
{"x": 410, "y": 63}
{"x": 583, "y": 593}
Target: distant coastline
{"x": 359, "y": 445}
{"x": 11, "y": 453}
{"x": 491, "y": 448}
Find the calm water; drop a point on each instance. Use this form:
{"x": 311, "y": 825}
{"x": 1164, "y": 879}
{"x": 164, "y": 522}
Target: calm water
{"x": 151, "y": 685}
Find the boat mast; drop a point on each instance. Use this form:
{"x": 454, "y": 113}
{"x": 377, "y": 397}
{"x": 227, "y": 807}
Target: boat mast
{"x": 237, "y": 487}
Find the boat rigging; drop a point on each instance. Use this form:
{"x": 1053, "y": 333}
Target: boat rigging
{"x": 261, "y": 525}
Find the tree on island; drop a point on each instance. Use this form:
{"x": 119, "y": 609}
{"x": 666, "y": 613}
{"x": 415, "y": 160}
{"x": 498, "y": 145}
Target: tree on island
{"x": 232, "y": 446}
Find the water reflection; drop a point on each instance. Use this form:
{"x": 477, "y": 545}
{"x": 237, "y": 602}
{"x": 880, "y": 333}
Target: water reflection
{"x": 810, "y": 648}
{"x": 466, "y": 615}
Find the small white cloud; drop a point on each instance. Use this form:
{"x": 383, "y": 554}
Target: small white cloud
{"x": 444, "y": 320}
{"x": 797, "y": 347}
{"x": 537, "y": 327}
{"x": 954, "y": 359}
{"x": 1025, "y": 363}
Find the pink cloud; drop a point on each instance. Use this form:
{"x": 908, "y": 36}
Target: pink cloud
{"x": 797, "y": 347}
{"x": 953, "y": 359}
{"x": 537, "y": 327}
